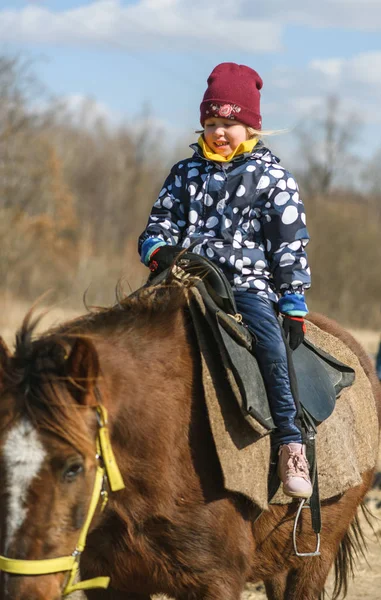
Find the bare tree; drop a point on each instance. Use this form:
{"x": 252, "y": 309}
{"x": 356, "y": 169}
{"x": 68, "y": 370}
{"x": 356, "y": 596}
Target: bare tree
{"x": 325, "y": 145}
{"x": 372, "y": 175}
{"x": 21, "y": 158}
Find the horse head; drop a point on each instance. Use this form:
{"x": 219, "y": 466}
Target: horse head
{"x": 48, "y": 458}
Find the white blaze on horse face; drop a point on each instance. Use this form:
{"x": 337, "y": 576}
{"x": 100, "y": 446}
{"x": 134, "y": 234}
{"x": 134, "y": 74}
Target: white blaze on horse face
{"x": 24, "y": 455}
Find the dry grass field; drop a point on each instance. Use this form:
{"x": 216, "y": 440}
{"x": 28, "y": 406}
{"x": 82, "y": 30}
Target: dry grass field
{"x": 367, "y": 582}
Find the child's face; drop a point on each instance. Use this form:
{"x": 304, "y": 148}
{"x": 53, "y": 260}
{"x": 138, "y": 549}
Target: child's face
{"x": 223, "y": 136}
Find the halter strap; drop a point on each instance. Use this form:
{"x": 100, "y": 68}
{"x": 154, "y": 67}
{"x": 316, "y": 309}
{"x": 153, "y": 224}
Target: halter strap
{"x": 107, "y": 468}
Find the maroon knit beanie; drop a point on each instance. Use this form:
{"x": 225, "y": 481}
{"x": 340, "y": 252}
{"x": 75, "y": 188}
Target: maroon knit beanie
{"x": 233, "y": 93}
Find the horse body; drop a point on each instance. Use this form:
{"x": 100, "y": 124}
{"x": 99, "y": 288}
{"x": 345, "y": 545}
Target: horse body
{"x": 174, "y": 529}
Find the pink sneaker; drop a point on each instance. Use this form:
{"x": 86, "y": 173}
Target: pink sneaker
{"x": 293, "y": 470}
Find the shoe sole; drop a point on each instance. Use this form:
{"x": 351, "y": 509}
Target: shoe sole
{"x": 294, "y": 495}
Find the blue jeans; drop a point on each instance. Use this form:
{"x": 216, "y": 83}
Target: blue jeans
{"x": 270, "y": 351}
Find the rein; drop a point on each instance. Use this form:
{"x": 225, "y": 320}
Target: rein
{"x": 107, "y": 469}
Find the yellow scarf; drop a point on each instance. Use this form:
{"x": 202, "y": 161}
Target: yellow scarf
{"x": 246, "y": 146}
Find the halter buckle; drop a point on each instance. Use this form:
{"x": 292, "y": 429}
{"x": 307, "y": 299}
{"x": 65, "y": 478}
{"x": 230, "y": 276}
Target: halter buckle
{"x": 76, "y": 555}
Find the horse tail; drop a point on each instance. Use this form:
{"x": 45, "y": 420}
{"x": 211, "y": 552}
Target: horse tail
{"x": 352, "y": 546}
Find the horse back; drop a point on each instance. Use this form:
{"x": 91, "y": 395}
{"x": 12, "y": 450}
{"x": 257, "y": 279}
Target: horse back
{"x": 333, "y": 328}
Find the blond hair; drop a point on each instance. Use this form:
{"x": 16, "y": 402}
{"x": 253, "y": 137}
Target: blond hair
{"x": 259, "y": 133}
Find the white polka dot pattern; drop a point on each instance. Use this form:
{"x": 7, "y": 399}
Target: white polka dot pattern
{"x": 167, "y": 202}
{"x": 211, "y": 222}
{"x": 247, "y": 216}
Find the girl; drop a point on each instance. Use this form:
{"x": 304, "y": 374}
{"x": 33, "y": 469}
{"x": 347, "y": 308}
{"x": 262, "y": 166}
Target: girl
{"x": 245, "y": 212}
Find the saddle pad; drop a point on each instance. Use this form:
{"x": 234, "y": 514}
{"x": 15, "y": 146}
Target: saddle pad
{"x": 345, "y": 441}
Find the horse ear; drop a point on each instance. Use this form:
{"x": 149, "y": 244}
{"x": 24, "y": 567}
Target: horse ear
{"x": 82, "y": 370}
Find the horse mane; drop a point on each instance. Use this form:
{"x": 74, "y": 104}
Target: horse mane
{"x": 37, "y": 372}
{"x": 36, "y": 377}
{"x": 149, "y": 305}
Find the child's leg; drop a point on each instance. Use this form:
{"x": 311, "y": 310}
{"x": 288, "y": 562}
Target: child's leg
{"x": 259, "y": 314}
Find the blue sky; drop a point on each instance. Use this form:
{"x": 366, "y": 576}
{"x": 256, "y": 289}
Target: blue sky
{"x": 127, "y": 54}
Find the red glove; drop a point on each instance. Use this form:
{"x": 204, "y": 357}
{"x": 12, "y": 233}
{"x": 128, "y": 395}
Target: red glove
{"x": 294, "y": 329}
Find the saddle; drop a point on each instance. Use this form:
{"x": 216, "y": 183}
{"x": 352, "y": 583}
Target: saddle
{"x": 319, "y": 377}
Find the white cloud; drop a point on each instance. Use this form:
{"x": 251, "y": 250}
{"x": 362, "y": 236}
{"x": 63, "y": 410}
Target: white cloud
{"x": 360, "y": 15}
{"x": 356, "y": 81}
{"x": 364, "y": 15}
{"x": 363, "y": 68}
{"x": 79, "y": 109}
{"x": 241, "y": 25}
{"x": 149, "y": 24}
{"x": 297, "y": 94}
{"x": 330, "y": 66}
{"x": 86, "y": 110}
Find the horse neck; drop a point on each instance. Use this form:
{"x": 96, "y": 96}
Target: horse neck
{"x": 147, "y": 381}
{"x": 158, "y": 420}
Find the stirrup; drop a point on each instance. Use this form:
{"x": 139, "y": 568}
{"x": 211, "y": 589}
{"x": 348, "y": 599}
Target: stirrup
{"x": 297, "y": 516}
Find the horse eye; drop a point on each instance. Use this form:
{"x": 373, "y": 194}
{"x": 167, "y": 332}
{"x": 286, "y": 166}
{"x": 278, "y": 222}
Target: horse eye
{"x": 72, "y": 471}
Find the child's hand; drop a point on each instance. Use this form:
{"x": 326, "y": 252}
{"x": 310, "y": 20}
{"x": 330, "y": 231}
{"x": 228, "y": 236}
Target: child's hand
{"x": 294, "y": 329}
{"x": 163, "y": 258}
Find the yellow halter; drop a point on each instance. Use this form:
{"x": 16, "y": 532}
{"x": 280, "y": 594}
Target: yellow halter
{"x": 107, "y": 467}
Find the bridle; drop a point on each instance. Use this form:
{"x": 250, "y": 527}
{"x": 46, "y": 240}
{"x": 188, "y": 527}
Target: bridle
{"x": 107, "y": 470}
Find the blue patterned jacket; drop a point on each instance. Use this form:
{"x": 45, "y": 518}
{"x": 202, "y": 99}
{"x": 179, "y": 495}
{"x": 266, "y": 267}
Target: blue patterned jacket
{"x": 245, "y": 215}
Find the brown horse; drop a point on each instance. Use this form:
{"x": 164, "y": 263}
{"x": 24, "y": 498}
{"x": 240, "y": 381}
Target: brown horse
{"x": 174, "y": 529}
